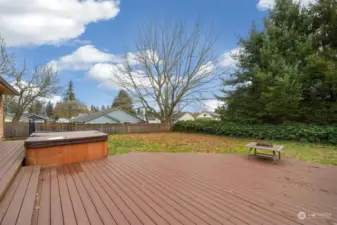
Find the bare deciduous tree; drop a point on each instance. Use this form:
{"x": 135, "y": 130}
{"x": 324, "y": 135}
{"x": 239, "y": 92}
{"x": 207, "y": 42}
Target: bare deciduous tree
{"x": 173, "y": 66}
{"x": 42, "y": 83}
{"x": 6, "y": 61}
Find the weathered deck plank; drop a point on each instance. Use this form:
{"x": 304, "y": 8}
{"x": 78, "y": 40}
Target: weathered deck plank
{"x": 11, "y": 158}
{"x": 21, "y": 207}
{"x": 90, "y": 208}
{"x": 161, "y": 188}
{"x": 44, "y": 204}
{"x": 95, "y": 197}
{"x": 56, "y": 213}
{"x": 69, "y": 217}
{"x": 27, "y": 206}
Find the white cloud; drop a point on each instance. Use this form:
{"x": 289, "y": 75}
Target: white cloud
{"x": 206, "y": 69}
{"x": 106, "y": 74}
{"x": 102, "y": 66}
{"x": 83, "y": 59}
{"x": 36, "y": 22}
{"x": 102, "y": 73}
{"x": 211, "y": 105}
{"x": 54, "y": 99}
{"x": 87, "y": 56}
{"x": 269, "y": 4}
{"x": 227, "y": 60}
{"x": 135, "y": 58}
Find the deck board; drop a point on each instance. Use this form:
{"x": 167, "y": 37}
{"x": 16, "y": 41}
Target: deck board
{"x": 21, "y": 207}
{"x": 163, "y": 188}
{"x": 80, "y": 213}
{"x": 56, "y": 213}
{"x": 95, "y": 197}
{"x": 90, "y": 208}
{"x": 11, "y": 158}
{"x": 5, "y": 202}
{"x": 44, "y": 203}
{"x": 69, "y": 217}
{"x": 230, "y": 208}
{"x": 27, "y": 206}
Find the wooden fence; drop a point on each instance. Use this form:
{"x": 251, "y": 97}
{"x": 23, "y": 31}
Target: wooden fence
{"x": 21, "y": 130}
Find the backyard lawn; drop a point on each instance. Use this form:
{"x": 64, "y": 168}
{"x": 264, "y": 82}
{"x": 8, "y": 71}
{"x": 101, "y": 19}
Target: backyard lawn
{"x": 187, "y": 142}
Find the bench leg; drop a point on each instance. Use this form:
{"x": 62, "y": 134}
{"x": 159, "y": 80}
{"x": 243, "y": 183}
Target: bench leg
{"x": 279, "y": 155}
{"x": 274, "y": 155}
{"x": 249, "y": 152}
{"x": 255, "y": 151}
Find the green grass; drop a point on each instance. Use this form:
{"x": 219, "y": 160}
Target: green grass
{"x": 187, "y": 142}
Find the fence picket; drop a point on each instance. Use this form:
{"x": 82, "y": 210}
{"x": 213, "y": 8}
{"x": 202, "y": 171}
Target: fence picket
{"x": 21, "y": 130}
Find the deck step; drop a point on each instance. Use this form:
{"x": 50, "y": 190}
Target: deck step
{"x": 11, "y": 158}
{"x": 17, "y": 205}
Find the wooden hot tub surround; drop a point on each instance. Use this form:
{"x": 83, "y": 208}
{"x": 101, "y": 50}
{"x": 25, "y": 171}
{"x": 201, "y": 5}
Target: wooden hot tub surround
{"x": 58, "y": 148}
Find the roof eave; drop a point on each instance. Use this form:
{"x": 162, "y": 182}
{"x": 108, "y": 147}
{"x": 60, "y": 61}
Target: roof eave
{"x": 9, "y": 90}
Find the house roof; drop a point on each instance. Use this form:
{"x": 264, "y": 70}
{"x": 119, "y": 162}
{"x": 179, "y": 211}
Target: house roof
{"x": 34, "y": 115}
{"x": 178, "y": 115}
{"x": 151, "y": 117}
{"x": 6, "y": 88}
{"x": 213, "y": 114}
{"x": 87, "y": 117}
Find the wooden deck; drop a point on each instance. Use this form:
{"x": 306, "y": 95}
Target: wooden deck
{"x": 17, "y": 205}
{"x": 163, "y": 188}
{"x": 11, "y": 158}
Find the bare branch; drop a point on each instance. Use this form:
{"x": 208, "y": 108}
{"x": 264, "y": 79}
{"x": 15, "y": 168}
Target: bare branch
{"x": 171, "y": 65}
{"x": 42, "y": 83}
{"x": 6, "y": 60}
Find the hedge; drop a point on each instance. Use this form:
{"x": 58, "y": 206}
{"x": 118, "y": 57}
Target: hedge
{"x": 294, "y": 132}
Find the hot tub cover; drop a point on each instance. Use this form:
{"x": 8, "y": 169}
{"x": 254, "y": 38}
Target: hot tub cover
{"x": 49, "y": 139}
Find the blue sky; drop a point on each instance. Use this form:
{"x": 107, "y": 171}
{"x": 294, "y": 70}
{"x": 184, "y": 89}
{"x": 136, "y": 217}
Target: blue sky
{"x": 109, "y": 28}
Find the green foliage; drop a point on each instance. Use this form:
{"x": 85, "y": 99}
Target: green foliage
{"x": 36, "y": 107}
{"x": 68, "y": 109}
{"x": 49, "y": 109}
{"x": 123, "y": 101}
{"x": 292, "y": 132}
{"x": 70, "y": 95}
{"x": 288, "y": 71}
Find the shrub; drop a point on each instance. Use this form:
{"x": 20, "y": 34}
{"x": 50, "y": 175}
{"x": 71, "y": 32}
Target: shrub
{"x": 294, "y": 132}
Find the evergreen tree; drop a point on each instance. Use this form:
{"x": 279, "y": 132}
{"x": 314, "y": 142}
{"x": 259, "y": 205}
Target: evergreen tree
{"x": 123, "y": 101}
{"x": 49, "y": 109}
{"x": 288, "y": 71}
{"x": 36, "y": 107}
{"x": 70, "y": 95}
{"x": 103, "y": 108}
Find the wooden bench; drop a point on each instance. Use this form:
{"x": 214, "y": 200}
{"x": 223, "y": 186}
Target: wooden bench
{"x": 275, "y": 149}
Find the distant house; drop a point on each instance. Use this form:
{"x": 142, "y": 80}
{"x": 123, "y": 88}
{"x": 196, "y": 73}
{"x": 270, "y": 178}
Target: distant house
{"x": 183, "y": 116}
{"x": 36, "y": 118}
{"x": 152, "y": 119}
{"x": 63, "y": 120}
{"x": 9, "y": 117}
{"x": 208, "y": 115}
{"x": 113, "y": 115}
{"x": 5, "y": 89}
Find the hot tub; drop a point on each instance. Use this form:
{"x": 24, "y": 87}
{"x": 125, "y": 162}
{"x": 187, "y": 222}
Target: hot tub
{"x": 57, "y": 148}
